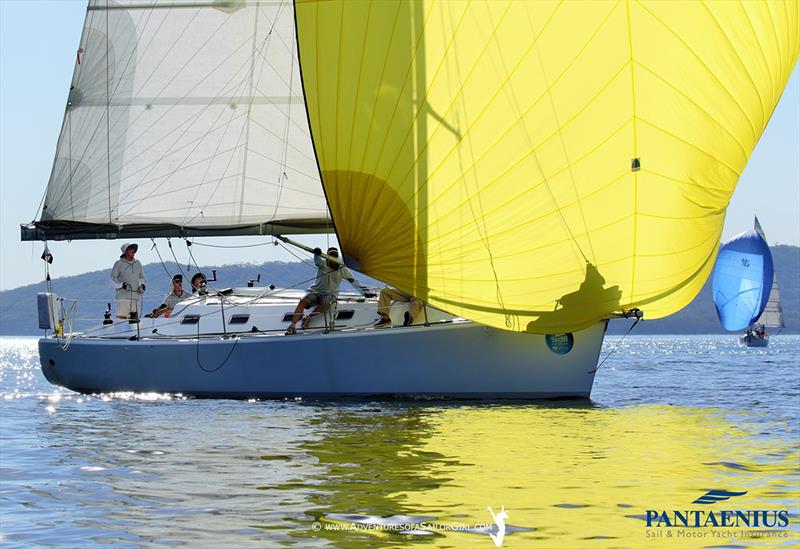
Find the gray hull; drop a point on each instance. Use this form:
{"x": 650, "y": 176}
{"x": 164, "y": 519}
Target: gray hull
{"x": 461, "y": 360}
{"x": 753, "y": 341}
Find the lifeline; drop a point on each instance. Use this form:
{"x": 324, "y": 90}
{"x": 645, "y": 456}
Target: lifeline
{"x": 724, "y": 519}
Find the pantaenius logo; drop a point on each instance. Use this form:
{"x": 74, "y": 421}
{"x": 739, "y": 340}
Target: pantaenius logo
{"x": 713, "y": 496}
{"x": 750, "y": 518}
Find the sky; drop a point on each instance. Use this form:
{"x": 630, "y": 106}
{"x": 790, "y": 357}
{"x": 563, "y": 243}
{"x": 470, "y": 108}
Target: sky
{"x": 38, "y": 41}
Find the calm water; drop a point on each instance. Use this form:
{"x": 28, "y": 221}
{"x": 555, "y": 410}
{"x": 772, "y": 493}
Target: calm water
{"x": 670, "y": 418}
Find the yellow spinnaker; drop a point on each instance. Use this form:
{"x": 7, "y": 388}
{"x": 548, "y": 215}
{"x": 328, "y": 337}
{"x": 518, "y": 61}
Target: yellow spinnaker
{"x": 539, "y": 165}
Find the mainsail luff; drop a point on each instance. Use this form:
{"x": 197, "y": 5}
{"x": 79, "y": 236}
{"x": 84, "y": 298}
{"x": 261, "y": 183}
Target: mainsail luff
{"x": 578, "y": 156}
{"x": 184, "y": 118}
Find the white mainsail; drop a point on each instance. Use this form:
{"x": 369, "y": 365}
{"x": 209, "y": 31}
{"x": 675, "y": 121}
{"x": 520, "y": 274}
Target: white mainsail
{"x": 185, "y": 117}
{"x": 772, "y": 317}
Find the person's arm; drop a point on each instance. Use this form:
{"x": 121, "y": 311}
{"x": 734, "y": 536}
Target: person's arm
{"x": 161, "y": 309}
{"x": 117, "y": 275}
{"x": 319, "y": 261}
{"x": 140, "y": 289}
{"x": 347, "y": 275}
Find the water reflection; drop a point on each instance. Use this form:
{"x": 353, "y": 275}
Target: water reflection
{"x": 133, "y": 470}
{"x": 571, "y": 473}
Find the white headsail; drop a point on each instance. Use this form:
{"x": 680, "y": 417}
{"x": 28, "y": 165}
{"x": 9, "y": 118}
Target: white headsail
{"x": 772, "y": 317}
{"x": 184, "y": 117}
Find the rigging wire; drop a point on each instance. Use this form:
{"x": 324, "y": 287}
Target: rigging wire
{"x": 155, "y": 247}
{"x": 302, "y": 260}
{"x": 194, "y": 262}
{"x": 617, "y": 346}
{"x": 178, "y": 263}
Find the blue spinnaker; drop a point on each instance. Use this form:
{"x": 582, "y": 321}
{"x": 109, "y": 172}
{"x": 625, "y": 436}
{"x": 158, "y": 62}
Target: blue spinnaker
{"x": 742, "y": 280}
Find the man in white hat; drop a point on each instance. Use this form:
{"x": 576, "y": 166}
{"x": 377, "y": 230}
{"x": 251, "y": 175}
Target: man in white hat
{"x": 129, "y": 274}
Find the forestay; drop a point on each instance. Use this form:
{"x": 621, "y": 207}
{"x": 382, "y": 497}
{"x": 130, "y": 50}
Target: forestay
{"x": 538, "y": 166}
{"x": 184, "y": 117}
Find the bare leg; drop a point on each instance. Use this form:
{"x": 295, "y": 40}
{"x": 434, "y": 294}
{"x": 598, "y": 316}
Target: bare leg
{"x": 318, "y": 310}
{"x": 298, "y": 311}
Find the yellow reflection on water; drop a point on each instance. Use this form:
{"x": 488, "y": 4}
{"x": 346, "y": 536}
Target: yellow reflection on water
{"x": 579, "y": 476}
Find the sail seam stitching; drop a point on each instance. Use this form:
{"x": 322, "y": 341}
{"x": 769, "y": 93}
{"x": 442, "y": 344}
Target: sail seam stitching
{"x": 372, "y": 219}
{"x": 699, "y": 107}
{"x": 707, "y": 68}
{"x": 544, "y": 179}
{"x": 692, "y": 145}
{"x": 760, "y": 49}
{"x": 379, "y": 156}
{"x": 516, "y": 123}
{"x": 741, "y": 62}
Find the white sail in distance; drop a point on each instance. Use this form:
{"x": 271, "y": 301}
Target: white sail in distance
{"x": 184, "y": 117}
{"x": 772, "y": 317}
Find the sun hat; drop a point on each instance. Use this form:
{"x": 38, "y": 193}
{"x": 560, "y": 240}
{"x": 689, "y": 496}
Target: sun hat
{"x": 124, "y": 247}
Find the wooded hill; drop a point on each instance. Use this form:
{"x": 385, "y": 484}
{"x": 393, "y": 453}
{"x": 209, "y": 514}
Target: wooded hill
{"x": 93, "y": 290}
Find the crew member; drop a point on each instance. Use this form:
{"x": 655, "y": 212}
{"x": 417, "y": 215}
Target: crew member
{"x": 330, "y": 274}
{"x": 199, "y": 282}
{"x": 177, "y": 295}
{"x": 129, "y": 274}
{"x": 390, "y": 295}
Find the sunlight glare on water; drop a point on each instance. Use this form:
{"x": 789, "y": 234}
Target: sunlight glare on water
{"x": 670, "y": 419}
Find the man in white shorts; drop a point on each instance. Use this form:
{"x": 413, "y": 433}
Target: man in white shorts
{"x": 129, "y": 274}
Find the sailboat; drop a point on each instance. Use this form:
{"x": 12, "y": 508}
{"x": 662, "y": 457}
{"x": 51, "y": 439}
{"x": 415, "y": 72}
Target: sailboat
{"x": 756, "y": 335}
{"x": 743, "y": 274}
{"x": 528, "y": 171}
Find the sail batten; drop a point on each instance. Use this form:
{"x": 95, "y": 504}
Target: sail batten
{"x": 539, "y": 166}
{"x": 184, "y": 118}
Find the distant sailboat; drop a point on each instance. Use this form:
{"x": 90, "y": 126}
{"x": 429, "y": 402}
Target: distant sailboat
{"x": 743, "y": 273}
